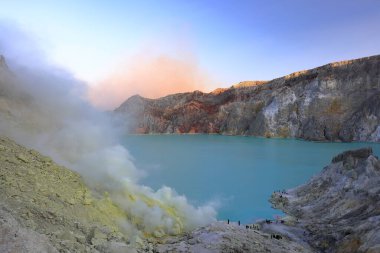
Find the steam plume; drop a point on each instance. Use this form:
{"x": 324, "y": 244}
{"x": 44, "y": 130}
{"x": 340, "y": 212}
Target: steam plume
{"x": 41, "y": 106}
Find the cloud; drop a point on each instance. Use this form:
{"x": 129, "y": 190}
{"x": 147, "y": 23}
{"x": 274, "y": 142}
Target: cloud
{"x": 149, "y": 75}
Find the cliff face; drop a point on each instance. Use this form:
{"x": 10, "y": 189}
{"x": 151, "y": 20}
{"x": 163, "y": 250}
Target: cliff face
{"x": 339, "y": 209}
{"x": 336, "y": 102}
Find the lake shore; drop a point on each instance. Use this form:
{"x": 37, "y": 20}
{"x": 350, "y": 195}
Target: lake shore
{"x": 327, "y": 214}
{"x": 41, "y": 225}
{"x": 244, "y": 170}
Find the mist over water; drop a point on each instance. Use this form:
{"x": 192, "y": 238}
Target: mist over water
{"x": 240, "y": 172}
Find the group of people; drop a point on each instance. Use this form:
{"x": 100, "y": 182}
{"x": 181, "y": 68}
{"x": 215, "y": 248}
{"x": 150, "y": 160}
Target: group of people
{"x": 279, "y": 191}
{"x": 257, "y": 227}
{"x": 253, "y": 226}
{"x": 275, "y": 236}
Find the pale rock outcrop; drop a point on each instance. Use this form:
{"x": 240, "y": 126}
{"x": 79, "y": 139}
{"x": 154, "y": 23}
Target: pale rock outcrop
{"x": 339, "y": 209}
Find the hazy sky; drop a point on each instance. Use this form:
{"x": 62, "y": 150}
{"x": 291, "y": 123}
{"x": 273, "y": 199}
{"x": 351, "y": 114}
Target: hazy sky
{"x": 221, "y": 42}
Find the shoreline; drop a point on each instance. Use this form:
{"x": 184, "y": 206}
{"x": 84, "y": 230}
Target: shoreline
{"x": 250, "y": 136}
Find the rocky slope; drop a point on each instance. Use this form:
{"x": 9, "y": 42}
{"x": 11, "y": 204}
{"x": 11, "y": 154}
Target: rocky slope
{"x": 336, "y": 102}
{"x": 47, "y": 208}
{"x": 227, "y": 238}
{"x": 339, "y": 210}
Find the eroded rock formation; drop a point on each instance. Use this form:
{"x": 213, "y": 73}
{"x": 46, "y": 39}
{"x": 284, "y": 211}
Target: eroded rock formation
{"x": 339, "y": 210}
{"x": 336, "y": 102}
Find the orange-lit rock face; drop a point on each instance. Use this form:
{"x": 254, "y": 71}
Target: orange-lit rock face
{"x": 249, "y": 84}
{"x": 147, "y": 76}
{"x": 339, "y": 103}
{"x": 217, "y": 91}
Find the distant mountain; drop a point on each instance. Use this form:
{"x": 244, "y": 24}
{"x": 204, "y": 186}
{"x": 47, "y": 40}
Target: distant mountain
{"x": 336, "y": 102}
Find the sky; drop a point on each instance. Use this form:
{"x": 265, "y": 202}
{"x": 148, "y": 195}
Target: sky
{"x": 153, "y": 48}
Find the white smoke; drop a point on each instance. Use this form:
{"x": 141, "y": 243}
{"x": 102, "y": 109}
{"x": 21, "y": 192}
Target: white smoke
{"x": 42, "y": 106}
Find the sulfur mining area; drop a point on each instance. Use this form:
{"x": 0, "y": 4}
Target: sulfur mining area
{"x": 45, "y": 207}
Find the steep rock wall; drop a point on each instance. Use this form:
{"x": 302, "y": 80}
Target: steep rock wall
{"x": 335, "y": 102}
{"x": 339, "y": 208}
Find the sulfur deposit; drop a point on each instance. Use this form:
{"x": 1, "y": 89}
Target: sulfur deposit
{"x": 41, "y": 109}
{"x": 45, "y": 207}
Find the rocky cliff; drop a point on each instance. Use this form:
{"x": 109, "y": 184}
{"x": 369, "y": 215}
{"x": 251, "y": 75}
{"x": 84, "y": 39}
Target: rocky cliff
{"x": 339, "y": 210}
{"x": 336, "y": 102}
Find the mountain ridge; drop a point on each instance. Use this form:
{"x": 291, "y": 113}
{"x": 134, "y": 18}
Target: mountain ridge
{"x": 333, "y": 102}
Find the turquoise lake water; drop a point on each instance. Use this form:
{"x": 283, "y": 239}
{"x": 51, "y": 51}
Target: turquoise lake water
{"x": 240, "y": 172}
